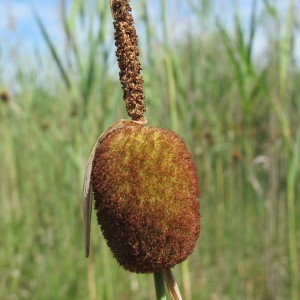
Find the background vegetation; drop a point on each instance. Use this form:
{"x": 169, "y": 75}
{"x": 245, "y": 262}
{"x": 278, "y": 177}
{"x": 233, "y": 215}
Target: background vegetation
{"x": 238, "y": 112}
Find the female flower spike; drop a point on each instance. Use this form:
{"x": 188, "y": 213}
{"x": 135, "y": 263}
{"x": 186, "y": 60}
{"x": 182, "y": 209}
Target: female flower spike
{"x": 146, "y": 194}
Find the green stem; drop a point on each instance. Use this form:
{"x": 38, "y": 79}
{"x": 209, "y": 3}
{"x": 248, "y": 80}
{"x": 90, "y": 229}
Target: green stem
{"x": 159, "y": 286}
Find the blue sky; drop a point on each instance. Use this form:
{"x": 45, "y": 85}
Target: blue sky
{"x": 17, "y": 25}
{"x": 18, "y": 31}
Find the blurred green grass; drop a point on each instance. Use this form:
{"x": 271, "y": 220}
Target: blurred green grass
{"x": 239, "y": 117}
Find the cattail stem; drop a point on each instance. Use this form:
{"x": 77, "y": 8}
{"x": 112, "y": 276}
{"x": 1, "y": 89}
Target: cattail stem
{"x": 126, "y": 41}
{"x": 160, "y": 286}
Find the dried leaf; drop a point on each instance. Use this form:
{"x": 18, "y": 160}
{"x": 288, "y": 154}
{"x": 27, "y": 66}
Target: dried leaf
{"x": 87, "y": 187}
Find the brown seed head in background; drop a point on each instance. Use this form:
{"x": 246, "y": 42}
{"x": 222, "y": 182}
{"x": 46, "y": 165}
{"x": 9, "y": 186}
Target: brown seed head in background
{"x": 4, "y": 96}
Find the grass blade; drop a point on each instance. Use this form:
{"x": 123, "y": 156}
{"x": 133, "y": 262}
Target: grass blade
{"x": 55, "y": 56}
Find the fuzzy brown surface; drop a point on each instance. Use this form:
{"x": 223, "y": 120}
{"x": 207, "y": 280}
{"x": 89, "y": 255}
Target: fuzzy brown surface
{"x": 127, "y": 53}
{"x": 146, "y": 192}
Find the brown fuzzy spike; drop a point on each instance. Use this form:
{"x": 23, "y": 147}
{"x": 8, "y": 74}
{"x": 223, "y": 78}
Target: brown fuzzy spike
{"x": 127, "y": 53}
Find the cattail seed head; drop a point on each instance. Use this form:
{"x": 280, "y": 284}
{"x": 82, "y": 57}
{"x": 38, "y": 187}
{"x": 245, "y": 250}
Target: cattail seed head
{"x": 146, "y": 197}
{"x": 4, "y": 96}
